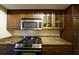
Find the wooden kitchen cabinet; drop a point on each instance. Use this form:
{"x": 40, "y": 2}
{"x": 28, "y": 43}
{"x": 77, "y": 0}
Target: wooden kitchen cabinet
{"x": 50, "y": 18}
{"x": 31, "y": 14}
{"x": 75, "y": 9}
{"x": 7, "y": 49}
{"x": 75, "y": 18}
{"x": 27, "y": 14}
{"x": 13, "y": 19}
{"x": 53, "y": 20}
{"x": 71, "y": 26}
{"x": 57, "y": 50}
{"x": 47, "y": 22}
{"x": 67, "y": 31}
{"x": 76, "y": 35}
{"x": 58, "y": 20}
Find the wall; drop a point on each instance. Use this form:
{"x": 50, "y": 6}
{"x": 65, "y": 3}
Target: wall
{"x": 3, "y": 23}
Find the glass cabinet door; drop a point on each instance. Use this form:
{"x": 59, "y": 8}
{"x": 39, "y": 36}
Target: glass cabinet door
{"x": 59, "y": 21}
{"x": 52, "y": 21}
{"x": 47, "y": 21}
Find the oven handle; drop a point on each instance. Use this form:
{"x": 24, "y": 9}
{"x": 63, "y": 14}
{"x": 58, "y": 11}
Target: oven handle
{"x": 28, "y": 50}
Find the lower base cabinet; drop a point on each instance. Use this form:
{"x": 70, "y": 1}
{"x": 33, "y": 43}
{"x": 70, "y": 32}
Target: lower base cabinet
{"x": 57, "y": 50}
{"x": 7, "y": 49}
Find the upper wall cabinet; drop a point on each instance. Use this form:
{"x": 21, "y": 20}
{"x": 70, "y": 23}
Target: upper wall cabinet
{"x": 59, "y": 21}
{"x": 47, "y": 21}
{"x": 75, "y": 9}
{"x": 13, "y": 19}
{"x": 53, "y": 20}
{"x": 50, "y": 19}
{"x": 31, "y": 14}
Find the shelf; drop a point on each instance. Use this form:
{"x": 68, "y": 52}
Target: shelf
{"x": 57, "y": 27}
{"x": 47, "y": 27}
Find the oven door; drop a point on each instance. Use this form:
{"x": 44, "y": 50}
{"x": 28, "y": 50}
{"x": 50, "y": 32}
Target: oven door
{"x": 28, "y": 51}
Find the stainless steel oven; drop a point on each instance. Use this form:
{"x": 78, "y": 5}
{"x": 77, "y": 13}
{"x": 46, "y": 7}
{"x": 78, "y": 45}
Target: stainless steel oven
{"x": 31, "y": 24}
{"x": 29, "y": 45}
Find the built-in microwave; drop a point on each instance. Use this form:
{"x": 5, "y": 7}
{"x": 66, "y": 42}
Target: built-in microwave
{"x": 31, "y": 24}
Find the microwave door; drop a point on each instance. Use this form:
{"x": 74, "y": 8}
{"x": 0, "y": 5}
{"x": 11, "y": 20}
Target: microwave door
{"x": 29, "y": 25}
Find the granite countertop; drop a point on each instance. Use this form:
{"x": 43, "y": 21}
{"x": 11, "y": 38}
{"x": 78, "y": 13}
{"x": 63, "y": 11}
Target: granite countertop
{"x": 49, "y": 37}
{"x": 54, "y": 41}
{"x": 10, "y": 40}
{"x": 45, "y": 40}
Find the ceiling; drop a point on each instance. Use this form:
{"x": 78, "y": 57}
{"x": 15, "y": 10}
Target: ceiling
{"x": 36, "y": 6}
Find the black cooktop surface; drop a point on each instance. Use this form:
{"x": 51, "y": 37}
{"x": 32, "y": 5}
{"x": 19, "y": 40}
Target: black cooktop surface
{"x": 27, "y": 41}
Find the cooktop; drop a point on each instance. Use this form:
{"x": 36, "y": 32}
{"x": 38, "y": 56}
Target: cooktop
{"x": 29, "y": 42}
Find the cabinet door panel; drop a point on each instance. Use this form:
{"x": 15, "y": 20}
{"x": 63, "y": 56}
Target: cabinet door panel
{"x": 6, "y": 49}
{"x": 13, "y": 19}
{"x": 57, "y": 50}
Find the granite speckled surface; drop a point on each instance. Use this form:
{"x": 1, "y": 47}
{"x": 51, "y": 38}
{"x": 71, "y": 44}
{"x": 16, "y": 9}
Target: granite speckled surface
{"x": 35, "y": 32}
{"x": 10, "y": 40}
{"x": 54, "y": 41}
{"x": 46, "y": 40}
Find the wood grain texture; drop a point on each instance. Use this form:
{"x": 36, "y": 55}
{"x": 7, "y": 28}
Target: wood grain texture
{"x": 14, "y": 16}
{"x": 57, "y": 50}
{"x": 68, "y": 25}
{"x": 13, "y": 19}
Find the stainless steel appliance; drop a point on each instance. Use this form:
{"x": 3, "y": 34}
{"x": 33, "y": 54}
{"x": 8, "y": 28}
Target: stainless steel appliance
{"x": 31, "y": 23}
{"x": 29, "y": 45}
